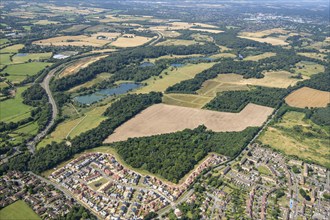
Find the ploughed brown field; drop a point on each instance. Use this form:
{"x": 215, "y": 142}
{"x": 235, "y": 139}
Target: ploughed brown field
{"x": 162, "y": 119}
{"x": 307, "y": 97}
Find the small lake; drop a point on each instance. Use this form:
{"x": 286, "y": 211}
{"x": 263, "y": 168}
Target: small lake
{"x": 177, "y": 64}
{"x": 146, "y": 64}
{"x": 103, "y": 93}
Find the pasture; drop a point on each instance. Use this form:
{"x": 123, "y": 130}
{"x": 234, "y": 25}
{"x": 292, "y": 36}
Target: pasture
{"x": 79, "y": 64}
{"x": 286, "y": 137}
{"x": 22, "y": 58}
{"x": 264, "y": 33}
{"x": 234, "y": 82}
{"x": 18, "y": 72}
{"x": 99, "y": 78}
{"x": 308, "y": 97}
{"x": 12, "y": 49}
{"x": 223, "y": 55}
{"x": 131, "y": 41}
{"x": 270, "y": 40}
{"x": 186, "y": 100}
{"x": 45, "y": 22}
{"x": 319, "y": 56}
{"x": 13, "y": 110}
{"x": 171, "y": 76}
{"x": 18, "y": 210}
{"x": 5, "y": 59}
{"x": 175, "y": 118}
{"x": 308, "y": 68}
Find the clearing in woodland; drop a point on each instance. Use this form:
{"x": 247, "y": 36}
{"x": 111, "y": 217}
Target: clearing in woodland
{"x": 175, "y": 118}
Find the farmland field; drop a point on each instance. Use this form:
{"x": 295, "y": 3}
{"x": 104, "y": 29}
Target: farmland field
{"x": 270, "y": 40}
{"x": 12, "y": 49}
{"x": 173, "y": 76}
{"x": 285, "y": 136}
{"x": 99, "y": 78}
{"x": 233, "y": 82}
{"x": 13, "y": 109}
{"x": 319, "y": 56}
{"x": 307, "y": 97}
{"x": 131, "y": 42}
{"x": 260, "y": 56}
{"x": 18, "y": 72}
{"x": 186, "y": 100}
{"x": 18, "y": 210}
{"x": 31, "y": 56}
{"x": 176, "y": 42}
{"x": 174, "y": 118}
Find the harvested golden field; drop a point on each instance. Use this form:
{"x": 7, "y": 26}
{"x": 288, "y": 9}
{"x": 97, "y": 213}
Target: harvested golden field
{"x": 173, "y": 42}
{"x": 260, "y": 56}
{"x": 307, "y": 97}
{"x": 233, "y": 82}
{"x": 175, "y": 118}
{"x": 186, "y": 100}
{"x": 263, "y": 33}
{"x": 79, "y": 40}
{"x": 270, "y": 40}
{"x": 80, "y": 64}
{"x": 206, "y": 30}
{"x": 131, "y": 41}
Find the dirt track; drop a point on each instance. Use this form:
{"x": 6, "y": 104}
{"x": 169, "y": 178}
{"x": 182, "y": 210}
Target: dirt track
{"x": 161, "y": 118}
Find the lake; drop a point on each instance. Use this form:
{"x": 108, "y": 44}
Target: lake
{"x": 103, "y": 93}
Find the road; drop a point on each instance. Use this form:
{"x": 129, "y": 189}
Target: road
{"x": 45, "y": 84}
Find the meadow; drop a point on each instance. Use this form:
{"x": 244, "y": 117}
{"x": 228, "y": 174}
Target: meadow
{"x": 308, "y": 68}
{"x": 186, "y": 100}
{"x": 12, "y": 49}
{"x": 18, "y": 210}
{"x": 171, "y": 42}
{"x": 296, "y": 136}
{"x": 18, "y": 72}
{"x": 31, "y": 56}
{"x": 13, "y": 110}
{"x": 130, "y": 41}
{"x": 171, "y": 76}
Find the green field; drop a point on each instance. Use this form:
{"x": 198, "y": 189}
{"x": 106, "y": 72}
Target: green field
{"x": 18, "y": 210}
{"x": 308, "y": 68}
{"x": 99, "y": 78}
{"x": 12, "y": 49}
{"x": 18, "y": 72}
{"x": 186, "y": 100}
{"x": 3, "y": 41}
{"x": 31, "y": 56}
{"x": 74, "y": 127}
{"x": 173, "y": 76}
{"x": 13, "y": 109}
{"x": 300, "y": 137}
{"x": 264, "y": 170}
{"x": 5, "y": 59}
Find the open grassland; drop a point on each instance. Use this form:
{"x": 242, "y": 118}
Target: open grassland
{"x": 13, "y": 110}
{"x": 45, "y": 22}
{"x": 319, "y": 56}
{"x": 270, "y": 40}
{"x": 175, "y": 118}
{"x": 3, "y": 41}
{"x": 173, "y": 42}
{"x": 202, "y": 37}
{"x": 308, "y": 68}
{"x": 12, "y": 49}
{"x": 17, "y": 211}
{"x": 74, "y": 127}
{"x": 5, "y": 59}
{"x": 206, "y": 30}
{"x": 80, "y": 64}
{"x": 307, "y": 97}
{"x": 78, "y": 40}
{"x": 309, "y": 142}
{"x": 18, "y": 72}
{"x": 152, "y": 60}
{"x": 171, "y": 76}
{"x": 260, "y": 56}
{"x": 131, "y": 41}
{"x": 186, "y": 100}
{"x": 234, "y": 82}
{"x": 99, "y": 78}
{"x": 264, "y": 33}
{"x": 31, "y": 56}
